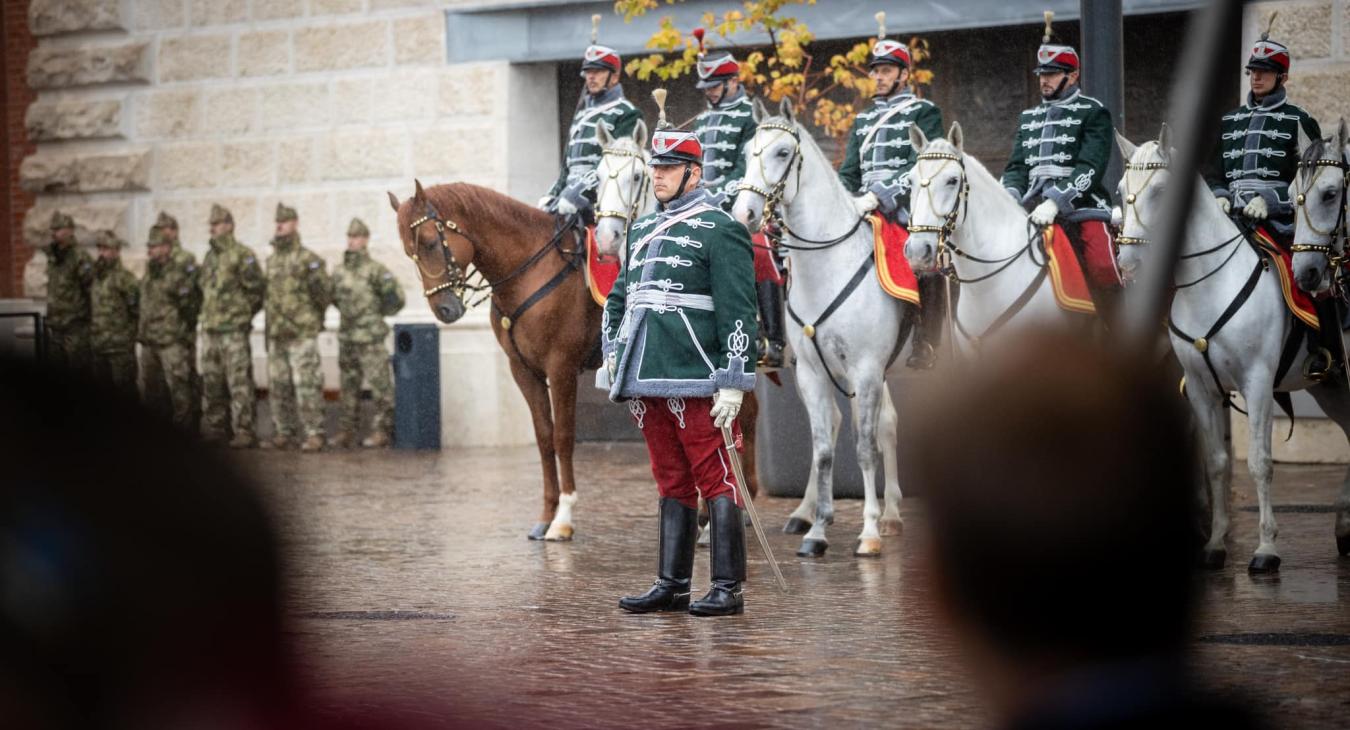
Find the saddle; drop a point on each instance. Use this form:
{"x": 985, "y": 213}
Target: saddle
{"x": 600, "y": 273}
{"x": 893, "y": 272}
{"x": 1067, "y": 277}
{"x": 1299, "y": 302}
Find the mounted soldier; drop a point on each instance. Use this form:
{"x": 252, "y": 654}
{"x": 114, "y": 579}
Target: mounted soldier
{"x": 679, "y": 341}
{"x": 602, "y": 103}
{"x": 724, "y": 129}
{"x": 878, "y": 157}
{"x": 1058, "y": 164}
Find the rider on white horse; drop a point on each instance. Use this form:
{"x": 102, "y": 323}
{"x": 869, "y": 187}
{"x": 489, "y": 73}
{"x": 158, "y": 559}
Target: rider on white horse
{"x": 602, "y": 103}
{"x": 879, "y": 156}
{"x": 1058, "y": 163}
{"x": 724, "y": 129}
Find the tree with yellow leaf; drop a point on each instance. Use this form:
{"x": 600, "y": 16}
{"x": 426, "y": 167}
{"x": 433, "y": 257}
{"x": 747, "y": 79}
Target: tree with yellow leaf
{"x": 823, "y": 91}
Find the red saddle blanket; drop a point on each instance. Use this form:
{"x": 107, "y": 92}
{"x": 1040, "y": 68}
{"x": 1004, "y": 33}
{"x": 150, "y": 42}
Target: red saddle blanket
{"x": 893, "y": 272}
{"x": 1299, "y": 302}
{"x": 601, "y": 273}
{"x": 1066, "y": 273}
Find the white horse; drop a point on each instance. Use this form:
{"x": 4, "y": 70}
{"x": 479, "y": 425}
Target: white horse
{"x": 625, "y": 190}
{"x": 848, "y": 329}
{"x": 1322, "y": 204}
{"x": 1229, "y": 327}
{"x": 957, "y": 204}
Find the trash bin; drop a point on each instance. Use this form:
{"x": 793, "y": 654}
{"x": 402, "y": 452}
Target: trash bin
{"x": 417, "y": 386}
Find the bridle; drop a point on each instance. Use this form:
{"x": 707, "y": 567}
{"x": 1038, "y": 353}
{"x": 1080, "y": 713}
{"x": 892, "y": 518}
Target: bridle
{"x": 951, "y": 218}
{"x": 1132, "y": 197}
{"x": 1337, "y": 231}
{"x": 628, "y": 207}
{"x": 774, "y": 195}
{"x": 457, "y": 280}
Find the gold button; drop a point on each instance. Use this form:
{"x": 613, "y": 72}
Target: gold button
{"x": 1201, "y": 344}
{"x": 1129, "y": 199}
{"x": 809, "y": 330}
{"x": 506, "y": 323}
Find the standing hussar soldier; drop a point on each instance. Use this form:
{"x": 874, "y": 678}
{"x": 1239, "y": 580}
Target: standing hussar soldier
{"x": 678, "y": 335}
{"x": 232, "y": 292}
{"x": 1058, "y": 163}
{"x": 70, "y": 272}
{"x": 298, "y": 292}
{"x": 724, "y": 129}
{"x": 877, "y": 157}
{"x": 114, "y": 300}
{"x": 365, "y": 292}
{"x": 602, "y": 102}
{"x": 170, "y": 302}
{"x": 1261, "y": 143}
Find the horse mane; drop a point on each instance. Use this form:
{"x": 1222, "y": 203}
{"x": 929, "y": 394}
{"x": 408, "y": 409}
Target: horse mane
{"x": 453, "y": 200}
{"x": 807, "y": 141}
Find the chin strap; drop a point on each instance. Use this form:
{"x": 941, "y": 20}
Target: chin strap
{"x": 684, "y": 180}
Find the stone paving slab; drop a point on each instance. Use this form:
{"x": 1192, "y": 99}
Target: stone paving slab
{"x": 412, "y": 589}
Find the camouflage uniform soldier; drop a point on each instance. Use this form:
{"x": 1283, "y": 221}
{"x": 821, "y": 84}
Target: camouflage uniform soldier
{"x": 170, "y": 302}
{"x": 70, "y": 272}
{"x": 298, "y": 292}
{"x": 114, "y": 301}
{"x": 180, "y": 258}
{"x": 232, "y": 292}
{"x": 365, "y": 292}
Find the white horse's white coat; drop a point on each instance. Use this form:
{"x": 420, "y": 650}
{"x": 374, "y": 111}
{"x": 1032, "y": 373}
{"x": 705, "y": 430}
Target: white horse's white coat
{"x": 625, "y": 192}
{"x": 1245, "y": 352}
{"x": 859, "y": 338}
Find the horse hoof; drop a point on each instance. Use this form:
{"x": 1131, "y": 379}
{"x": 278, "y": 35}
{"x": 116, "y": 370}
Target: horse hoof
{"x": 868, "y": 547}
{"x": 1264, "y": 564}
{"x": 1213, "y": 559}
{"x": 812, "y": 549}
{"x": 797, "y": 526}
{"x": 537, "y": 532}
{"x": 1343, "y": 545}
{"x": 561, "y": 533}
{"x": 704, "y": 537}
{"x": 892, "y": 527}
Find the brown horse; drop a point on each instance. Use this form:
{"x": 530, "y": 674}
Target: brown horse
{"x": 542, "y": 313}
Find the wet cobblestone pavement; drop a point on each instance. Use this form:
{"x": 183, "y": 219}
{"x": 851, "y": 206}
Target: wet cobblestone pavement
{"x": 412, "y": 586}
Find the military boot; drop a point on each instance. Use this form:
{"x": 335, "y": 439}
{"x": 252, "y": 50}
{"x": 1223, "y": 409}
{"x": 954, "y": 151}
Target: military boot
{"x": 1110, "y": 307}
{"x": 770, "y": 296}
{"x": 932, "y": 320}
{"x": 675, "y": 567}
{"x": 313, "y": 442}
{"x": 376, "y": 440}
{"x": 728, "y": 561}
{"x": 340, "y": 440}
{"x": 243, "y": 441}
{"x": 278, "y": 443}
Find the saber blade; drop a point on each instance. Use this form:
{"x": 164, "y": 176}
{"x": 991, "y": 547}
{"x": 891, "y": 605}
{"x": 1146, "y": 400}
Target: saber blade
{"x": 730, "y": 442}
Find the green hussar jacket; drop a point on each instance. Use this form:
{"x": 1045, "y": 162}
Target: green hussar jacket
{"x": 115, "y": 306}
{"x": 365, "y": 292}
{"x": 724, "y": 130}
{"x": 1259, "y": 152}
{"x": 170, "y": 300}
{"x": 232, "y": 286}
{"x": 583, "y": 149}
{"x": 298, "y": 291}
{"x": 680, "y": 320}
{"x": 878, "y": 148}
{"x": 70, "y": 272}
{"x": 1061, "y": 152}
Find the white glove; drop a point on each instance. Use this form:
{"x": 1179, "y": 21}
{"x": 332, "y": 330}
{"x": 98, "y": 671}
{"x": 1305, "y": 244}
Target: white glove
{"x": 1044, "y": 214}
{"x": 1117, "y": 216}
{"x": 1225, "y": 204}
{"x": 545, "y": 202}
{"x": 866, "y": 203}
{"x": 565, "y": 207}
{"x": 1256, "y": 210}
{"x": 726, "y": 404}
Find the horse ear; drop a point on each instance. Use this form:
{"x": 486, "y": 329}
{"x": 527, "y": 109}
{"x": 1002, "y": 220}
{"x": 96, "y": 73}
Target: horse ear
{"x": 418, "y": 194}
{"x": 393, "y": 201}
{"x": 757, "y": 112}
{"x": 1127, "y": 147}
{"x": 640, "y": 134}
{"x": 602, "y": 135}
{"x": 786, "y": 108}
{"x": 956, "y": 137}
{"x": 1343, "y": 134}
{"x": 1165, "y": 138}
{"x": 917, "y": 139}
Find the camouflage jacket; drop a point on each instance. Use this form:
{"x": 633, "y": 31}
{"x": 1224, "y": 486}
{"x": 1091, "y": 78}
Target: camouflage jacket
{"x": 171, "y": 298}
{"x": 115, "y": 304}
{"x": 298, "y": 291}
{"x": 365, "y": 292}
{"x": 232, "y": 286}
{"x": 70, "y": 271}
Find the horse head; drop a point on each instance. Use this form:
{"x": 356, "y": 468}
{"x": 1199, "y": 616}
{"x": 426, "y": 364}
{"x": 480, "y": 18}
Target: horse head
{"x": 938, "y": 194}
{"x": 770, "y": 158}
{"x": 1142, "y": 189}
{"x": 625, "y": 191}
{"x": 438, "y": 246}
{"x": 1321, "y": 203}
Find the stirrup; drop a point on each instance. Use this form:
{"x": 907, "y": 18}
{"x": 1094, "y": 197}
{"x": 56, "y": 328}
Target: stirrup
{"x": 1318, "y": 369}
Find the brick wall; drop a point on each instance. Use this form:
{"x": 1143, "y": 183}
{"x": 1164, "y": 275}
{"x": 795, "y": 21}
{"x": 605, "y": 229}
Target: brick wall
{"x": 15, "y": 96}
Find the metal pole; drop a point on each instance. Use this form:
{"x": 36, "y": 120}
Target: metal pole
{"x": 1101, "y": 26}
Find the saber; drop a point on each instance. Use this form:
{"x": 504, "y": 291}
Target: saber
{"x": 730, "y": 442}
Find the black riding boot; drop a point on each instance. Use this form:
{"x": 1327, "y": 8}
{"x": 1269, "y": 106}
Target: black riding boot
{"x": 770, "y": 297}
{"x": 728, "y": 561}
{"x": 1110, "y": 305}
{"x": 670, "y": 592}
{"x": 932, "y": 320}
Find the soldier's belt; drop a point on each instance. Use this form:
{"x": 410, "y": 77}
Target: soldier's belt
{"x": 662, "y": 300}
{"x": 1052, "y": 172}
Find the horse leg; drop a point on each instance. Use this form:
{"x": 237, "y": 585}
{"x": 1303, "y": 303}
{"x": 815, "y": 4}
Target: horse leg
{"x": 801, "y": 519}
{"x": 887, "y": 423}
{"x": 563, "y": 390}
{"x": 1335, "y": 402}
{"x": 866, "y": 407}
{"x": 818, "y": 395}
{"x": 1217, "y": 458}
{"x": 1267, "y": 557}
{"x": 536, "y": 395}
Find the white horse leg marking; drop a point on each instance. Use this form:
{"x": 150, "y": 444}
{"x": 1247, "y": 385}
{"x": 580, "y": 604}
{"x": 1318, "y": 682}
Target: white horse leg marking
{"x": 891, "y": 523}
{"x": 865, "y": 413}
{"x": 561, "y": 526}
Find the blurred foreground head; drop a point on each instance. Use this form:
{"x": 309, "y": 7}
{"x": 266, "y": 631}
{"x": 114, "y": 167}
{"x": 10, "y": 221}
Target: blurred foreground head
{"x": 1060, "y": 481}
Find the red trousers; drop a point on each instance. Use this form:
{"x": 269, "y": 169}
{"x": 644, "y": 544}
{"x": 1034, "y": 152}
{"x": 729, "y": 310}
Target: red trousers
{"x": 688, "y": 457}
{"x": 765, "y": 269}
{"x": 1098, "y": 255}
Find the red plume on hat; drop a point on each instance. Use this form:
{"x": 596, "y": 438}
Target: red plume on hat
{"x": 698, "y": 34}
